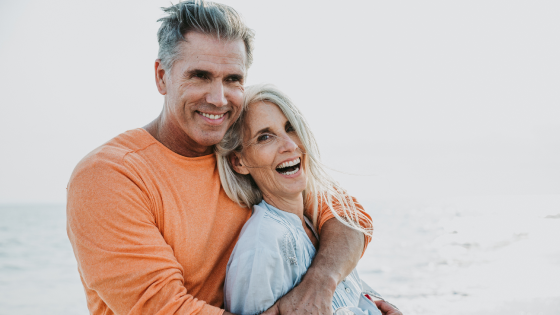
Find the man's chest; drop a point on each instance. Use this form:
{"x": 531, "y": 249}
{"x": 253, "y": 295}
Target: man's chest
{"x": 195, "y": 217}
{"x": 201, "y": 224}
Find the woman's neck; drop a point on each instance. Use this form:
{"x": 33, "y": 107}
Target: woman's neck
{"x": 289, "y": 204}
{"x": 293, "y": 205}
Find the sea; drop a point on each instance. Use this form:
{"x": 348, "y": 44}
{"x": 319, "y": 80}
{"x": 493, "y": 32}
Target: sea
{"x": 461, "y": 255}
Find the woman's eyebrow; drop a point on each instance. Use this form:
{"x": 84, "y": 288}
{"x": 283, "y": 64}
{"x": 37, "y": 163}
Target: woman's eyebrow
{"x": 265, "y": 129}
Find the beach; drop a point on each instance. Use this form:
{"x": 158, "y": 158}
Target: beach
{"x": 475, "y": 255}
{"x": 461, "y": 255}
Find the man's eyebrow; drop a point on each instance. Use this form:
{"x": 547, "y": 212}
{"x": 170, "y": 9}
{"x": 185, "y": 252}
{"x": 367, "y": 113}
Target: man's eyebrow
{"x": 236, "y": 76}
{"x": 198, "y": 71}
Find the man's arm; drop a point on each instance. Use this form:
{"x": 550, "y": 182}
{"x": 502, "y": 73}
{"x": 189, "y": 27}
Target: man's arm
{"x": 125, "y": 263}
{"x": 339, "y": 252}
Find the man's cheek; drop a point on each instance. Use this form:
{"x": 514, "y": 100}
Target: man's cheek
{"x": 238, "y": 92}
{"x": 234, "y": 117}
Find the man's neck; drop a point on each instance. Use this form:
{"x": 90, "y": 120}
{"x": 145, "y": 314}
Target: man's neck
{"x": 174, "y": 138}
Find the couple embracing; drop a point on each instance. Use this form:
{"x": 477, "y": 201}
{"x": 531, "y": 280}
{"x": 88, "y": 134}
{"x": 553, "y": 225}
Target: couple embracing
{"x": 221, "y": 201}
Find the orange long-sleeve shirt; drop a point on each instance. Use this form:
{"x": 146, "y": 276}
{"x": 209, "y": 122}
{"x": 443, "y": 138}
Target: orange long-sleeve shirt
{"x": 152, "y": 231}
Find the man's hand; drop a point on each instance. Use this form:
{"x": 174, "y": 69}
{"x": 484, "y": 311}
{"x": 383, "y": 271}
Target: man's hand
{"x": 309, "y": 297}
{"x": 339, "y": 251}
{"x": 386, "y": 308}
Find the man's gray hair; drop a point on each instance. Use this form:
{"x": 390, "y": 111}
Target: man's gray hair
{"x": 206, "y": 17}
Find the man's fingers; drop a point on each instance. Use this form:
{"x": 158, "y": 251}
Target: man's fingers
{"x": 386, "y": 308}
{"x": 273, "y": 310}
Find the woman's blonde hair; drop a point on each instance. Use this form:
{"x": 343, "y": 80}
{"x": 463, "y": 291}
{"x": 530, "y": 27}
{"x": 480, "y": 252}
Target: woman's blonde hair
{"x": 320, "y": 186}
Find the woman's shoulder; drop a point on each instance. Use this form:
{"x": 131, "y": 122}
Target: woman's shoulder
{"x": 263, "y": 231}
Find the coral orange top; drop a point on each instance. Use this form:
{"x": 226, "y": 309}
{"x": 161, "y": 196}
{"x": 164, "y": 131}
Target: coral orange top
{"x": 152, "y": 231}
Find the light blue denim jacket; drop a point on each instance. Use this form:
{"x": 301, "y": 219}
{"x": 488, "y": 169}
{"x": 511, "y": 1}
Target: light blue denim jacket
{"x": 271, "y": 257}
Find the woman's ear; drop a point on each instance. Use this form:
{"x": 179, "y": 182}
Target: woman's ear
{"x": 237, "y": 164}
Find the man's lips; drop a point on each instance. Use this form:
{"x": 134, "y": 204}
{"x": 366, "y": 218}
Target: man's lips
{"x": 213, "y": 118}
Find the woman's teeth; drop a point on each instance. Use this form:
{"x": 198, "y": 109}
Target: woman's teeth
{"x": 289, "y": 168}
{"x": 289, "y": 163}
{"x": 292, "y": 172}
{"x": 212, "y": 116}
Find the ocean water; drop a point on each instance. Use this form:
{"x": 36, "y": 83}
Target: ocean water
{"x": 38, "y": 272}
{"x": 489, "y": 255}
{"x": 476, "y": 255}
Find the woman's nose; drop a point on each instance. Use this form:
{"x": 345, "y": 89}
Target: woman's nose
{"x": 288, "y": 144}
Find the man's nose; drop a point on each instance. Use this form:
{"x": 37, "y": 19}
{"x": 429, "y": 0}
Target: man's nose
{"x": 216, "y": 96}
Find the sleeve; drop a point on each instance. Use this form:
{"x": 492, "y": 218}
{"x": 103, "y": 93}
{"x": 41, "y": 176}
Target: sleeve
{"x": 324, "y": 214}
{"x": 254, "y": 281}
{"x": 123, "y": 259}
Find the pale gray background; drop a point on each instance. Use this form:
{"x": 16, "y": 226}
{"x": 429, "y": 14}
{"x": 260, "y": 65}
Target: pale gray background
{"x": 431, "y": 97}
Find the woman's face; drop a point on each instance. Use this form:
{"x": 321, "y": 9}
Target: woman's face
{"x": 272, "y": 152}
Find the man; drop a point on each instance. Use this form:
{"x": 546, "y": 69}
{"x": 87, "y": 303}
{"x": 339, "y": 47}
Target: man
{"x": 151, "y": 227}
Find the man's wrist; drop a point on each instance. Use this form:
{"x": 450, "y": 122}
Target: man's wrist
{"x": 321, "y": 280}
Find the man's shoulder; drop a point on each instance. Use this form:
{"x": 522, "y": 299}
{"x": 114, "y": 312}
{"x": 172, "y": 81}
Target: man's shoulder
{"x": 112, "y": 154}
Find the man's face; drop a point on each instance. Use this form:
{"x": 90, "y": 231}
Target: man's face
{"x": 204, "y": 89}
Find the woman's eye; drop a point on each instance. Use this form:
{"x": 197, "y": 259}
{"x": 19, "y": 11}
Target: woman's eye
{"x": 264, "y": 137}
{"x": 290, "y": 128}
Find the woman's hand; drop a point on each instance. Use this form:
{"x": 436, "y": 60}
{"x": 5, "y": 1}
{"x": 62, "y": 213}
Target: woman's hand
{"x": 386, "y": 308}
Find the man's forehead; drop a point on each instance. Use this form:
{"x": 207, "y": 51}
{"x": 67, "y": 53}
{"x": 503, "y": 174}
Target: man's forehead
{"x": 215, "y": 59}
{"x": 201, "y": 48}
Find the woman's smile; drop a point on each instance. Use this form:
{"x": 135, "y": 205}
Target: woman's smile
{"x": 289, "y": 168}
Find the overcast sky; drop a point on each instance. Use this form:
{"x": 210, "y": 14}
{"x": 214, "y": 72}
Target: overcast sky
{"x": 423, "y": 97}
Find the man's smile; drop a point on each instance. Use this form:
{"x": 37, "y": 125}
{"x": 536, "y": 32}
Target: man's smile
{"x": 213, "y": 118}
{"x": 218, "y": 116}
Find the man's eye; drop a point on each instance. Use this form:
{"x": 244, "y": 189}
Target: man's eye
{"x": 199, "y": 75}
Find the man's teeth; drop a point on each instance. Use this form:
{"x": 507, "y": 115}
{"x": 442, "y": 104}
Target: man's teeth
{"x": 289, "y": 163}
{"x": 212, "y": 116}
{"x": 292, "y": 172}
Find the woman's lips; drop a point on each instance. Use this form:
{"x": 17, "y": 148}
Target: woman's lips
{"x": 291, "y": 175}
{"x": 289, "y": 168}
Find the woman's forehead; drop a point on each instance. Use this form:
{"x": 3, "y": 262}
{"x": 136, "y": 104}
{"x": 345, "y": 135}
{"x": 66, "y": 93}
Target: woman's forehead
{"x": 264, "y": 114}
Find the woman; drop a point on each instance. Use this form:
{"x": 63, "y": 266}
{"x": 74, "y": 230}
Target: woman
{"x": 269, "y": 160}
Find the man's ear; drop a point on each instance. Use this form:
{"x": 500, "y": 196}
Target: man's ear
{"x": 161, "y": 79}
{"x": 237, "y": 164}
